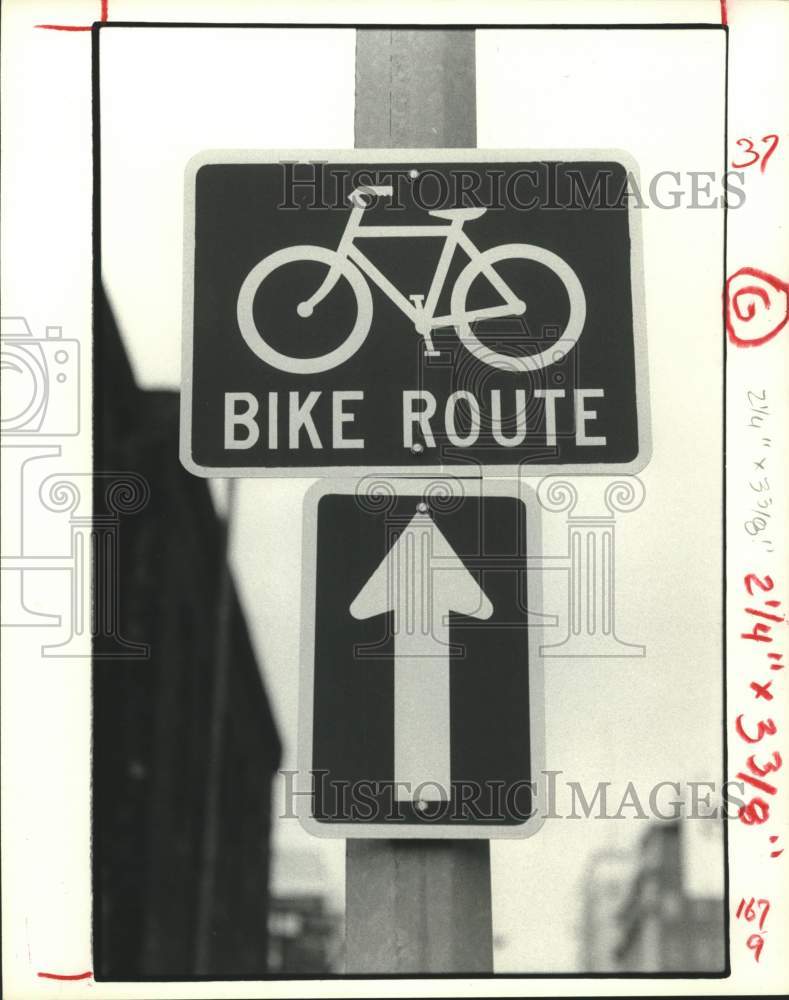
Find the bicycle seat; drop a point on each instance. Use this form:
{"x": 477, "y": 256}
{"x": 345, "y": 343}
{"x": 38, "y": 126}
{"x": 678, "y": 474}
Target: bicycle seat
{"x": 464, "y": 214}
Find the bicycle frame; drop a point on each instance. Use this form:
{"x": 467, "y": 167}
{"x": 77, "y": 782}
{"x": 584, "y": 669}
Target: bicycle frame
{"x": 421, "y": 315}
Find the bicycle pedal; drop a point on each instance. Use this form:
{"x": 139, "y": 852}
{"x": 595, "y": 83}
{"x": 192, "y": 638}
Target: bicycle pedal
{"x": 432, "y": 354}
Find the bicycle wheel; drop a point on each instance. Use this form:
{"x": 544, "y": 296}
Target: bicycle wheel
{"x": 256, "y": 338}
{"x": 527, "y": 362}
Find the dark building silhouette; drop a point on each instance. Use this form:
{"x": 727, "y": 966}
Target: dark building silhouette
{"x": 305, "y": 925}
{"x": 656, "y": 909}
{"x": 663, "y": 927}
{"x": 180, "y": 887}
{"x": 602, "y": 895}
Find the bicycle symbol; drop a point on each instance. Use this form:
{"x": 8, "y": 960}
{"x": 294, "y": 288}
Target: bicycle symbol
{"x": 350, "y": 263}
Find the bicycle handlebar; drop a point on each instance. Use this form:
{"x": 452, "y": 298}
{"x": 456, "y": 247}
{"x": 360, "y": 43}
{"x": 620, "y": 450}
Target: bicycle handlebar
{"x": 358, "y": 197}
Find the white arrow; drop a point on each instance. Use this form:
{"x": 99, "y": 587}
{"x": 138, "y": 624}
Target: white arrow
{"x": 421, "y": 579}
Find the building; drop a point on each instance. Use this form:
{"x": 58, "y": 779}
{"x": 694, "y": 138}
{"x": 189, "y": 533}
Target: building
{"x": 664, "y": 927}
{"x": 305, "y": 925}
{"x": 184, "y": 743}
{"x": 603, "y": 895}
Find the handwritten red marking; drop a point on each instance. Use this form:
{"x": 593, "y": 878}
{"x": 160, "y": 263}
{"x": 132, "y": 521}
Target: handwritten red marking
{"x": 761, "y": 633}
{"x": 757, "y": 306}
{"x": 768, "y": 766}
{"x": 765, "y": 614}
{"x": 762, "y": 690}
{"x": 763, "y": 786}
{"x": 770, "y": 140}
{"x": 770, "y": 151}
{"x": 105, "y": 13}
{"x": 756, "y": 943}
{"x": 748, "y": 145}
{"x": 756, "y": 812}
{"x": 763, "y": 583}
{"x": 724, "y": 13}
{"x": 747, "y": 909}
{"x": 57, "y": 975}
{"x": 764, "y": 727}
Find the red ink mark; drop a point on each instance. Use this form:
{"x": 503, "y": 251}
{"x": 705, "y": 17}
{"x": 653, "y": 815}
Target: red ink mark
{"x": 105, "y": 13}
{"x": 752, "y": 580}
{"x": 724, "y": 13}
{"x": 763, "y": 786}
{"x": 750, "y": 150}
{"x": 771, "y": 140}
{"x": 764, "y": 614}
{"x": 762, "y": 690}
{"x": 765, "y": 727}
{"x": 770, "y": 151}
{"x": 756, "y": 812}
{"x": 756, "y": 943}
{"x": 757, "y": 306}
{"x": 761, "y": 633}
{"x": 56, "y": 975}
{"x": 747, "y": 909}
{"x": 771, "y": 765}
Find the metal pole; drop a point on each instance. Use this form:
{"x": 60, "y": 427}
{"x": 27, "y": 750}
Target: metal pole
{"x": 210, "y": 846}
{"x": 415, "y": 906}
{"x": 415, "y": 89}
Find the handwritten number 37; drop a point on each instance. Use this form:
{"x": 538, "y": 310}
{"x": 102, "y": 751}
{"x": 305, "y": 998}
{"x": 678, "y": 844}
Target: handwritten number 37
{"x": 771, "y": 141}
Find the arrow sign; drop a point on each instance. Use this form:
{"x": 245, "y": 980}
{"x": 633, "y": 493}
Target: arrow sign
{"x": 451, "y": 716}
{"x": 421, "y": 579}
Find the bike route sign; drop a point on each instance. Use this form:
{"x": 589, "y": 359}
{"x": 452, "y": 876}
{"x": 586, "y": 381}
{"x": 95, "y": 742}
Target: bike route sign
{"x": 412, "y": 313}
{"x": 421, "y": 701}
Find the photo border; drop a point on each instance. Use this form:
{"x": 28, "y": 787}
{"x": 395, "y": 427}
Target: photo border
{"x": 355, "y": 24}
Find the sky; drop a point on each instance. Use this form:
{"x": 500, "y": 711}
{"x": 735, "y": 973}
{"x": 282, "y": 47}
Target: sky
{"x": 646, "y": 719}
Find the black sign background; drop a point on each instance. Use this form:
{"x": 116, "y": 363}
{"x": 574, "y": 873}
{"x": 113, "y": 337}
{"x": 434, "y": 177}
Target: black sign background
{"x": 353, "y": 690}
{"x": 238, "y": 223}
